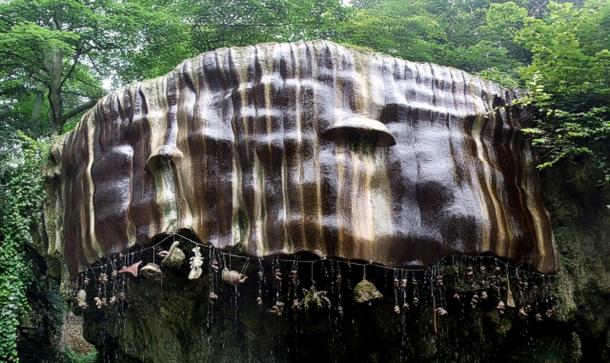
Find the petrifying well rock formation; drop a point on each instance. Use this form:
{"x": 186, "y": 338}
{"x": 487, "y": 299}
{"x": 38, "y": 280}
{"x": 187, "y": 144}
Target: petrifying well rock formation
{"x": 279, "y": 148}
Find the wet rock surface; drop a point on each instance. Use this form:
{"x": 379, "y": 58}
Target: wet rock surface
{"x": 168, "y": 321}
{"x": 311, "y": 146}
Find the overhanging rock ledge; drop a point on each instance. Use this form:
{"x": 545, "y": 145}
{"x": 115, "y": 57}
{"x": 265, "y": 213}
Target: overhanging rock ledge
{"x": 280, "y": 148}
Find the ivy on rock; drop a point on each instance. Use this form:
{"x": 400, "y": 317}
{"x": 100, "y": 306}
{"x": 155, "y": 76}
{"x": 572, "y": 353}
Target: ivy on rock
{"x": 21, "y": 197}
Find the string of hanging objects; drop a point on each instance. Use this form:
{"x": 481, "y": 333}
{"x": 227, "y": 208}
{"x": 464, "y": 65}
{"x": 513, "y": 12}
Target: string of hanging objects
{"x": 527, "y": 292}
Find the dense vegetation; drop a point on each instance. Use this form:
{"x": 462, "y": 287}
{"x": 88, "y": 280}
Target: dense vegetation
{"x": 58, "y": 57}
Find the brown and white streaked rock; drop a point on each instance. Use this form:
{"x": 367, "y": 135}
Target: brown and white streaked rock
{"x": 268, "y": 147}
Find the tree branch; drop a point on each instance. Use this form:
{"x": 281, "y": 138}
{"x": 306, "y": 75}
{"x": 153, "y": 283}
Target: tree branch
{"x": 86, "y": 83}
{"x": 77, "y": 94}
{"x": 85, "y": 106}
{"x": 74, "y": 63}
{"x": 23, "y": 60}
{"x": 32, "y": 73}
{"x": 55, "y": 118}
{"x": 95, "y": 67}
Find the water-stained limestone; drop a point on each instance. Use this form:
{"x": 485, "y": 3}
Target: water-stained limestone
{"x": 279, "y": 148}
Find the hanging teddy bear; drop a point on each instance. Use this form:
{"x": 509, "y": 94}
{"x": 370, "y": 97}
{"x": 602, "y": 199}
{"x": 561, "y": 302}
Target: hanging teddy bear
{"x": 196, "y": 262}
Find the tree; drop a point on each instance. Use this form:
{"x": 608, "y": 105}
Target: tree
{"x": 217, "y": 24}
{"x": 62, "y": 50}
{"x": 399, "y": 28}
{"x": 569, "y": 82}
{"x": 475, "y": 35}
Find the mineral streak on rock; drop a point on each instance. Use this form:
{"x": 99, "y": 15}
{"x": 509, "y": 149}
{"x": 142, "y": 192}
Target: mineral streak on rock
{"x": 303, "y": 146}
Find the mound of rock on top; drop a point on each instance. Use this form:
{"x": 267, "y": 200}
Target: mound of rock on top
{"x": 303, "y": 146}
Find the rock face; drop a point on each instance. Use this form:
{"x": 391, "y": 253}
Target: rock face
{"x": 171, "y": 321}
{"x": 280, "y": 148}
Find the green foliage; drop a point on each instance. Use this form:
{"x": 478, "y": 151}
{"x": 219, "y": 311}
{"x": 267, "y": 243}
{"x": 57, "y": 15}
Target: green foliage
{"x": 561, "y": 135}
{"x": 476, "y": 35}
{"x": 65, "y": 49}
{"x": 73, "y": 357}
{"x": 21, "y": 196}
{"x": 569, "y": 82}
{"x": 217, "y": 24}
{"x": 398, "y": 28}
{"x": 570, "y": 54}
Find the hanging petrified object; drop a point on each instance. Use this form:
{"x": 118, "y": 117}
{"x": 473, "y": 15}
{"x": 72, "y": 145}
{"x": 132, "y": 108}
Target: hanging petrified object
{"x": 131, "y": 269}
{"x": 151, "y": 271}
{"x": 365, "y": 292}
{"x": 501, "y": 307}
{"x": 196, "y": 262}
{"x": 474, "y": 301}
{"x": 260, "y": 277}
{"x": 277, "y": 274}
{"x": 81, "y": 299}
{"x": 214, "y": 265}
{"x": 314, "y": 298}
{"x": 296, "y": 305}
{"x": 522, "y": 313}
{"x": 103, "y": 278}
{"x": 441, "y": 311}
{"x": 294, "y": 274}
{"x": 510, "y": 301}
{"x": 439, "y": 281}
{"x": 484, "y": 295}
{"x": 233, "y": 277}
{"x": 112, "y": 300}
{"x": 99, "y": 302}
{"x": 396, "y": 309}
{"x": 172, "y": 257}
{"x": 278, "y": 308}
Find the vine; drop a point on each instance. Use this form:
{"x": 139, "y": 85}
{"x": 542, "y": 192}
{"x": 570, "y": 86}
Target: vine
{"x": 21, "y": 198}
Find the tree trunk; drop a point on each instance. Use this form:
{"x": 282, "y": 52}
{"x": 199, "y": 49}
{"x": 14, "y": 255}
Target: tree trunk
{"x": 36, "y": 116}
{"x": 55, "y": 99}
{"x": 37, "y": 108}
